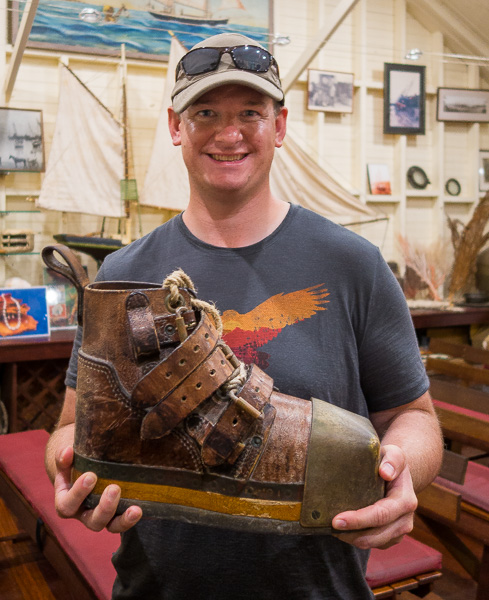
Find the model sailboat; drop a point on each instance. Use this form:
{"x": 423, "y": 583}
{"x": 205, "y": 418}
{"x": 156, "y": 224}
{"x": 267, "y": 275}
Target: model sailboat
{"x": 88, "y": 168}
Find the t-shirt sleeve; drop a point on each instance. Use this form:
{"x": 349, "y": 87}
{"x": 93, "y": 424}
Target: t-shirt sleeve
{"x": 72, "y": 371}
{"x": 391, "y": 370}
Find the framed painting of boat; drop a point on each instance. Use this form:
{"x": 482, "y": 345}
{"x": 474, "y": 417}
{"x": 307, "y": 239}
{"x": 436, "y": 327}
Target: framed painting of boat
{"x": 21, "y": 140}
{"x": 462, "y": 105}
{"x": 144, "y": 26}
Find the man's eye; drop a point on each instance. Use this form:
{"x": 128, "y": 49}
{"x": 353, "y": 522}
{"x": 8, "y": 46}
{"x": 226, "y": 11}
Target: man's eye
{"x": 205, "y": 113}
{"x": 251, "y": 115}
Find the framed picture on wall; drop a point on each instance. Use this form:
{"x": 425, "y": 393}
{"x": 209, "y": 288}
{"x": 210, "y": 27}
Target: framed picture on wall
{"x": 379, "y": 179}
{"x": 21, "y": 140}
{"x": 329, "y": 91}
{"x": 467, "y": 106}
{"x": 404, "y": 99}
{"x": 484, "y": 170}
{"x": 62, "y": 300}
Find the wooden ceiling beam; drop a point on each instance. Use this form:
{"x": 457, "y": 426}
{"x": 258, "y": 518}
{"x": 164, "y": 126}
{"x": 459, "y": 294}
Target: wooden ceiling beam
{"x": 458, "y": 36}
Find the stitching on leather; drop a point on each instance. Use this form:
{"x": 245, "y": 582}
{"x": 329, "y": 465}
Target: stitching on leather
{"x": 112, "y": 382}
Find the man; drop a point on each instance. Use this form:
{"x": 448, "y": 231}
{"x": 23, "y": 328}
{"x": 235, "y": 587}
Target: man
{"x": 310, "y": 302}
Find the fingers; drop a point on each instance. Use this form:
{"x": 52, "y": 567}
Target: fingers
{"x": 379, "y": 537}
{"x": 104, "y": 514}
{"x": 384, "y": 523}
{"x": 70, "y": 498}
{"x": 125, "y": 521}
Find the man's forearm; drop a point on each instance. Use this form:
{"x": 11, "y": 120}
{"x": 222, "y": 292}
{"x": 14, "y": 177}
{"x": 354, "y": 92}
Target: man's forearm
{"x": 416, "y": 431}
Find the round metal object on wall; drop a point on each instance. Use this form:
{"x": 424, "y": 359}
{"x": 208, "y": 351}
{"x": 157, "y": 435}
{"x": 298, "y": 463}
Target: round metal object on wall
{"x": 452, "y": 187}
{"x": 417, "y": 178}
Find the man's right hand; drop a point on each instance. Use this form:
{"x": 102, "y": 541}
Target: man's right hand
{"x": 69, "y": 499}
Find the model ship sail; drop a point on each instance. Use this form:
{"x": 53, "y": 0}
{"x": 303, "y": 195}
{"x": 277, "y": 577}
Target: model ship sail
{"x": 166, "y": 183}
{"x": 297, "y": 178}
{"x": 86, "y": 162}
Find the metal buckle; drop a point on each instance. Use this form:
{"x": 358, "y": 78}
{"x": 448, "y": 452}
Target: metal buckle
{"x": 245, "y": 406}
{"x": 229, "y": 355}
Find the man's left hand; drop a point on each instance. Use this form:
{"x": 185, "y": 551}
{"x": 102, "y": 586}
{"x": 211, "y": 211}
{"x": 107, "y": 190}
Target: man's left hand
{"x": 386, "y": 522}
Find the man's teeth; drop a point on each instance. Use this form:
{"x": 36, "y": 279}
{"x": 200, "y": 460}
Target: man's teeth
{"x": 228, "y": 157}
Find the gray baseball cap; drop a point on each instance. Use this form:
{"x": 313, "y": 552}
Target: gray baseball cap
{"x": 190, "y": 87}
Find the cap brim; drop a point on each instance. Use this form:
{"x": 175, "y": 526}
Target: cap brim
{"x": 188, "y": 96}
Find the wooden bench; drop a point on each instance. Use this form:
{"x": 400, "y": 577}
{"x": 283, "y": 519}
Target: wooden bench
{"x": 83, "y": 558}
{"x": 457, "y": 506}
{"x": 80, "y": 556}
{"x": 452, "y": 510}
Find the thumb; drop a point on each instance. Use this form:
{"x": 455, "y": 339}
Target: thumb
{"x": 64, "y": 459}
{"x": 392, "y": 463}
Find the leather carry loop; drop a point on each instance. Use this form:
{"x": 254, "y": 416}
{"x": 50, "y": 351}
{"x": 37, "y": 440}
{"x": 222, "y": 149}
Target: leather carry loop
{"x": 73, "y": 271}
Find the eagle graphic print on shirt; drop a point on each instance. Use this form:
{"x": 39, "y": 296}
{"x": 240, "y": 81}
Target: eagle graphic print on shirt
{"x": 247, "y": 333}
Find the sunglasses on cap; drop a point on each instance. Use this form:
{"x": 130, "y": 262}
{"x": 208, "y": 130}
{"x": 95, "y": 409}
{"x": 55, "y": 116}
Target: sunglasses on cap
{"x": 246, "y": 58}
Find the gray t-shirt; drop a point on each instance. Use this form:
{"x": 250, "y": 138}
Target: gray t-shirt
{"x": 319, "y": 310}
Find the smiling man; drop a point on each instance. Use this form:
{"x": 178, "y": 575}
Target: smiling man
{"x": 315, "y": 305}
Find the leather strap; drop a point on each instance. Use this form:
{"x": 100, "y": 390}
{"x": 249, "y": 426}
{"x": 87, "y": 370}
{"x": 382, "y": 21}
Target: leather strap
{"x": 166, "y": 327}
{"x": 167, "y": 375}
{"x": 198, "y": 386}
{"x": 142, "y": 326}
{"x": 226, "y": 440}
{"x": 73, "y": 271}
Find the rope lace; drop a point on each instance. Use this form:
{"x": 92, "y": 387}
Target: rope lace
{"x": 179, "y": 279}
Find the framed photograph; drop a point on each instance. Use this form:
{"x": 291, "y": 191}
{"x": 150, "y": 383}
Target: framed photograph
{"x": 145, "y": 27}
{"x": 23, "y": 313}
{"x": 329, "y": 91}
{"x": 467, "y": 106}
{"x": 379, "y": 179}
{"x": 483, "y": 170}
{"x": 21, "y": 140}
{"x": 404, "y": 99}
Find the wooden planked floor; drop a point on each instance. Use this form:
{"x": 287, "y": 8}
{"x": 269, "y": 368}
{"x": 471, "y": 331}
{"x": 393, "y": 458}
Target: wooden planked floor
{"x": 24, "y": 572}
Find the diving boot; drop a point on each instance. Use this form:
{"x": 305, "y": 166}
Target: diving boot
{"x": 165, "y": 410}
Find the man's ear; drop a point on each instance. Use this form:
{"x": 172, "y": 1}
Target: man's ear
{"x": 280, "y": 126}
{"x": 174, "y": 126}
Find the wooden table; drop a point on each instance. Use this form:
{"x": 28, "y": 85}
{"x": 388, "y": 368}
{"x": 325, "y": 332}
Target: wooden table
{"x": 32, "y": 371}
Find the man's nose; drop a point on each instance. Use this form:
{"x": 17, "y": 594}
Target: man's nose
{"x": 228, "y": 133}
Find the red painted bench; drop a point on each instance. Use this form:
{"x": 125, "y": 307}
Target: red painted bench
{"x": 456, "y": 509}
{"x": 83, "y": 558}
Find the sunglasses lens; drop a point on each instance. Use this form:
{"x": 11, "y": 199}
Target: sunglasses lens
{"x": 201, "y": 60}
{"x": 251, "y": 58}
